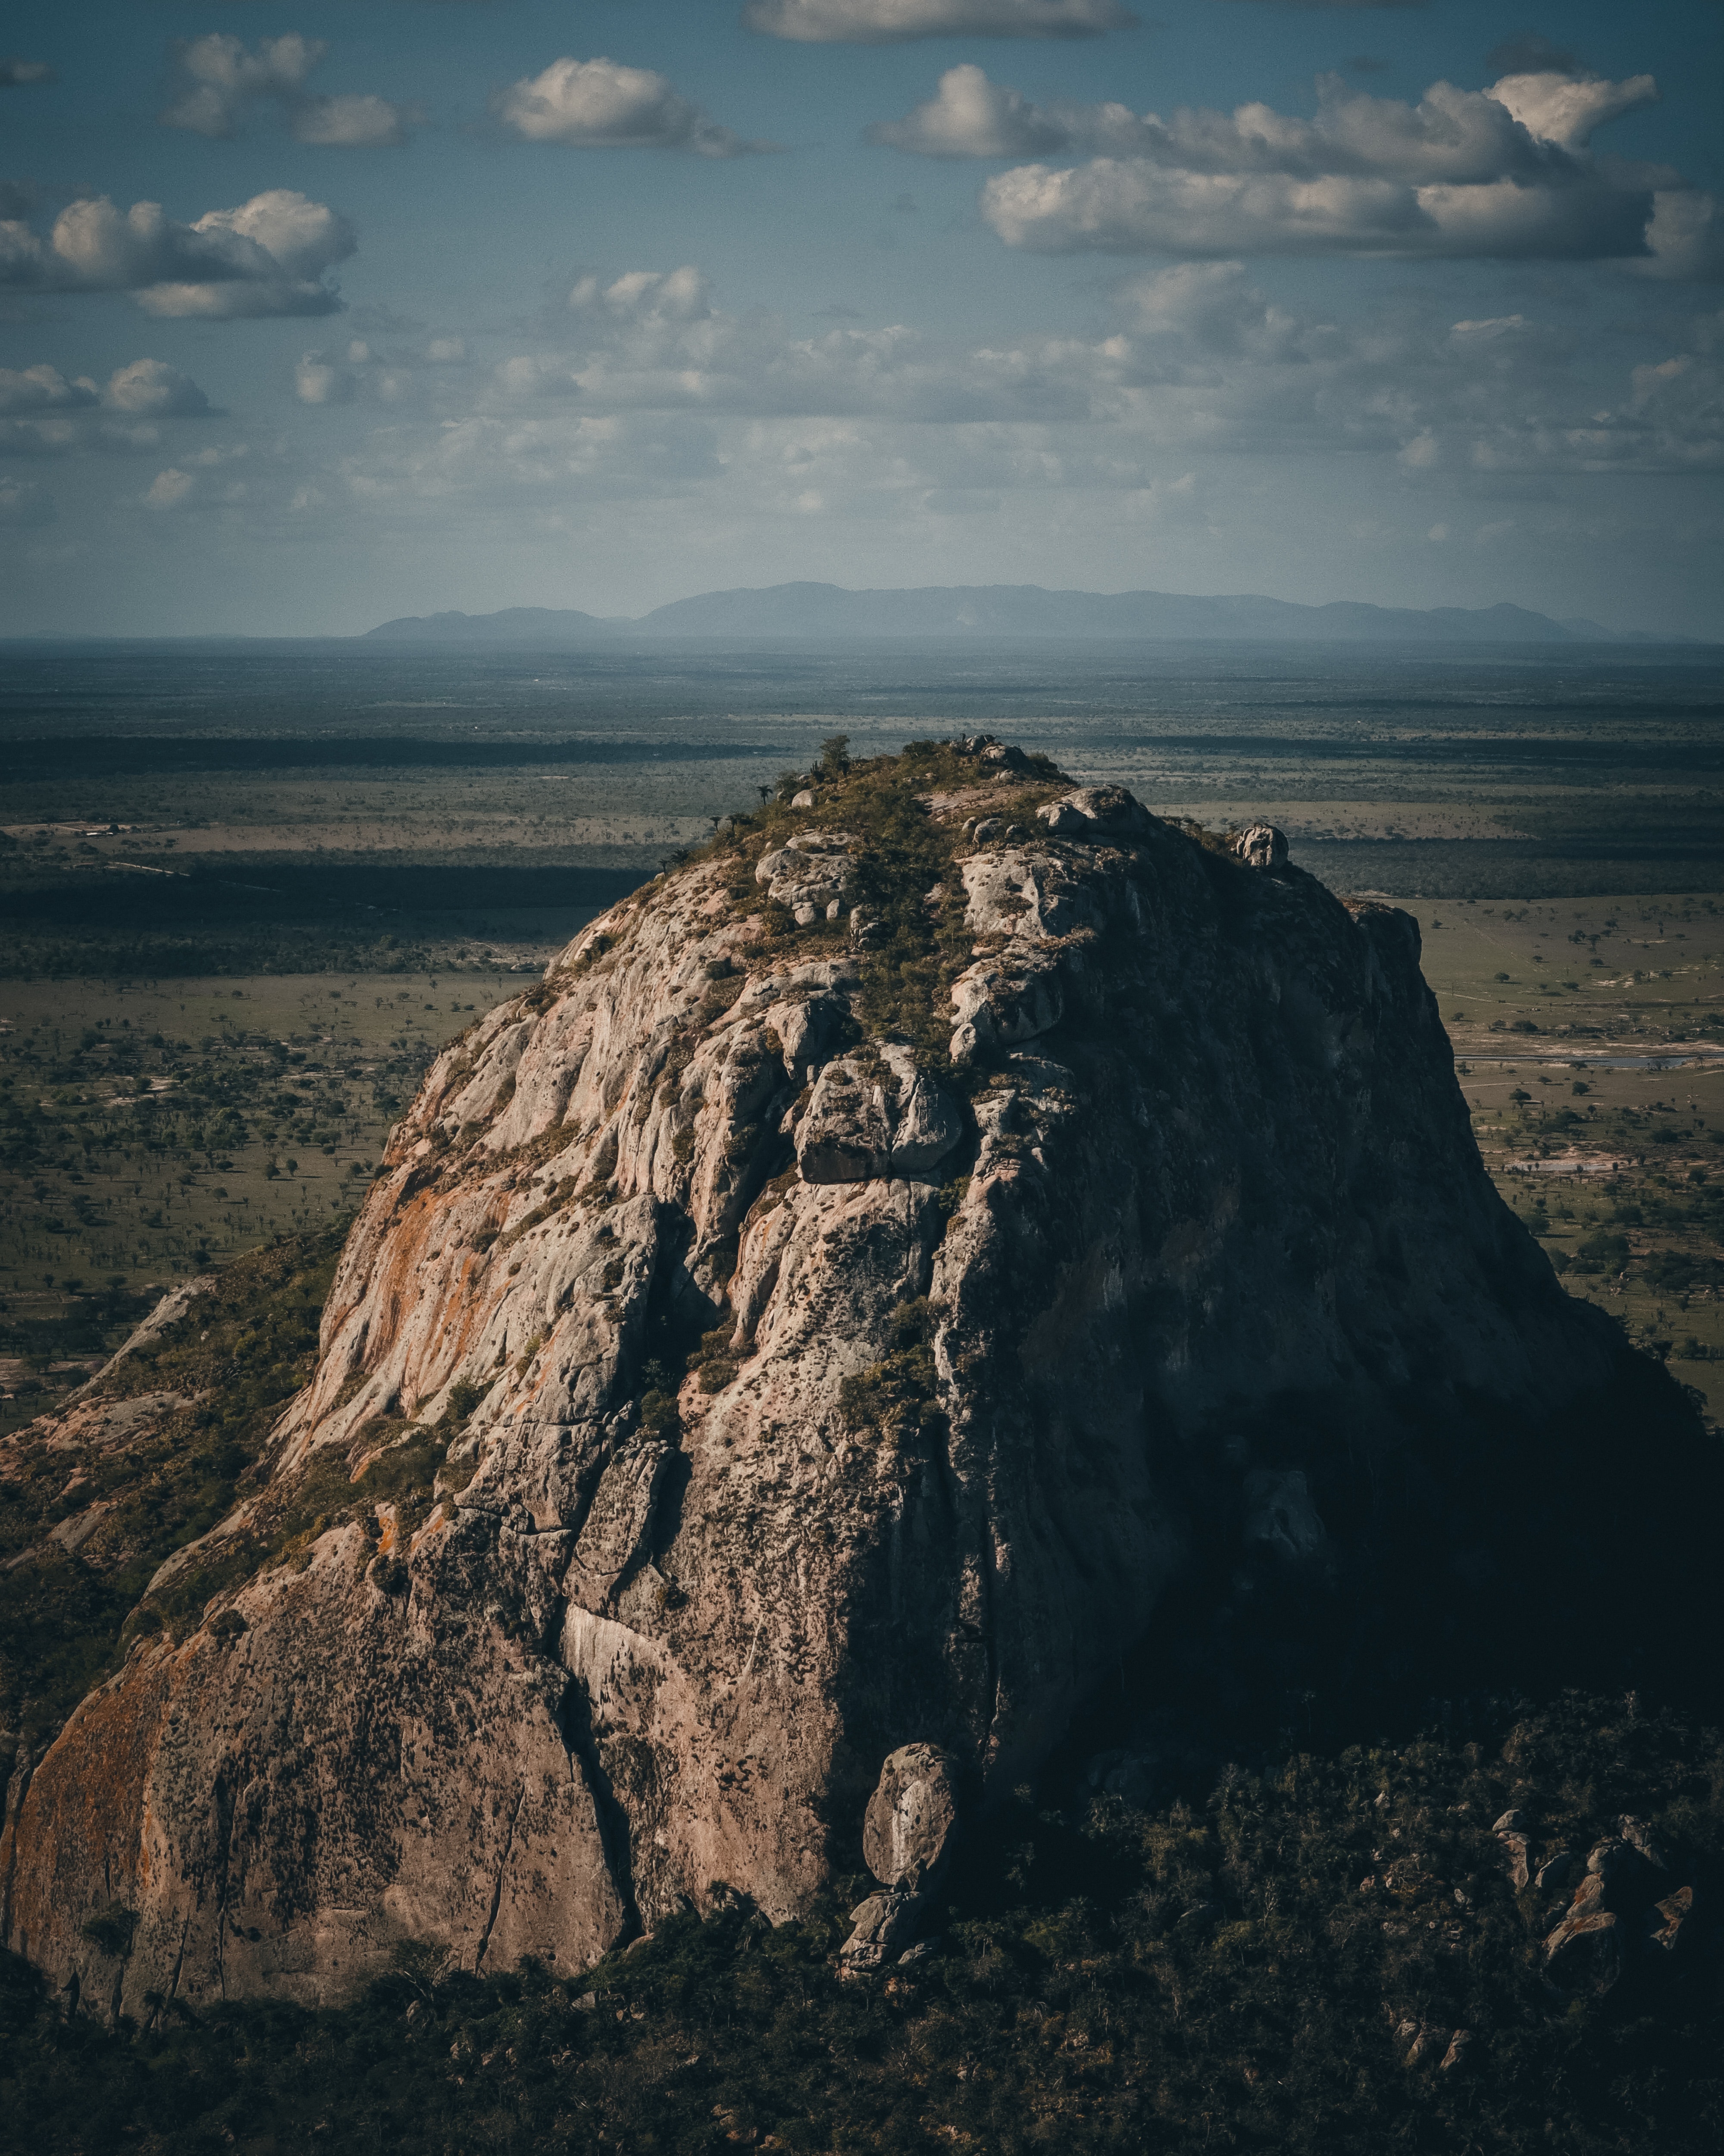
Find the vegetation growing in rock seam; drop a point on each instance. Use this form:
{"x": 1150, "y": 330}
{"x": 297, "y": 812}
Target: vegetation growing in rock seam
{"x": 914, "y": 950}
{"x": 1207, "y": 1975}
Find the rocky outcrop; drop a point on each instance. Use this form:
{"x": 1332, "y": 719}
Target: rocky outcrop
{"x": 839, "y": 1303}
{"x": 908, "y": 1832}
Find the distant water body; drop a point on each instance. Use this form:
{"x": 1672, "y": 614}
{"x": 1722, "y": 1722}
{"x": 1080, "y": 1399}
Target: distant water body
{"x": 1507, "y": 773}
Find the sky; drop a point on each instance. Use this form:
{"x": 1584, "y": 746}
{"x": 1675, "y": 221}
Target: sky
{"x": 314, "y": 314}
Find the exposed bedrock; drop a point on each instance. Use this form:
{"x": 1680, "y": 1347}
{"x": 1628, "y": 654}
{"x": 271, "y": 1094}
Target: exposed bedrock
{"x": 1102, "y": 1215}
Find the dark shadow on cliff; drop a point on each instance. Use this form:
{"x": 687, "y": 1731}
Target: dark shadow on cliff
{"x": 1468, "y": 1553}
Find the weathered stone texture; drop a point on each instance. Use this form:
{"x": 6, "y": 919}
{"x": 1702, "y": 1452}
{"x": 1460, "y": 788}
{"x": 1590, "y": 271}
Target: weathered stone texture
{"x": 635, "y": 1652}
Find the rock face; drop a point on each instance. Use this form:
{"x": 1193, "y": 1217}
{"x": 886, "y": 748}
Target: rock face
{"x": 831, "y": 1347}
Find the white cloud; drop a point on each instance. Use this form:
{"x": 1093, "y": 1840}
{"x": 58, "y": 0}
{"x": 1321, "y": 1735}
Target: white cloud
{"x": 270, "y": 256}
{"x": 892, "y": 22}
{"x": 218, "y": 77}
{"x": 356, "y": 122}
{"x": 43, "y": 389}
{"x": 674, "y": 295}
{"x": 150, "y": 387}
{"x": 972, "y": 117}
{"x": 1686, "y": 237}
{"x": 447, "y": 352}
{"x": 23, "y": 503}
{"x": 21, "y": 74}
{"x": 1565, "y": 108}
{"x": 596, "y": 104}
{"x": 653, "y": 391}
{"x": 219, "y": 81}
{"x": 1459, "y": 174}
{"x": 43, "y": 413}
{"x": 169, "y": 488}
{"x": 318, "y": 381}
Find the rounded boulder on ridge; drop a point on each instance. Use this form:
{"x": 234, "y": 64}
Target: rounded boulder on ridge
{"x": 912, "y": 1819}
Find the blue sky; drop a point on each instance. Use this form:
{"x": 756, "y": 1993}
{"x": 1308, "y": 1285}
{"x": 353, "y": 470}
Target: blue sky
{"x": 597, "y": 305}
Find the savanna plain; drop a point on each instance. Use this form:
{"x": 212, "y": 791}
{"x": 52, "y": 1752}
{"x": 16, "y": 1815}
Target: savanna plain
{"x": 250, "y": 891}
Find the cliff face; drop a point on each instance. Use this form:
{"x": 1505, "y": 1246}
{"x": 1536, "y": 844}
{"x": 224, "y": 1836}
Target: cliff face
{"x": 881, "y": 1258}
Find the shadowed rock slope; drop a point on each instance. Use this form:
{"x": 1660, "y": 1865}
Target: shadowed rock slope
{"x": 886, "y": 1262}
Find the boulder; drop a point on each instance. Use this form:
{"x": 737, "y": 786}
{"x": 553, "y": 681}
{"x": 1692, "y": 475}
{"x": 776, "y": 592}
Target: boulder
{"x": 846, "y": 1134}
{"x": 1584, "y": 1955}
{"x": 998, "y": 1002}
{"x": 1262, "y": 846}
{"x": 1514, "y": 1848}
{"x": 811, "y": 872}
{"x": 884, "y": 1925}
{"x": 875, "y": 1117}
{"x": 1096, "y": 812}
{"x": 1666, "y": 1918}
{"x": 911, "y": 1821}
{"x": 926, "y": 1122}
{"x": 807, "y": 1031}
{"x": 1640, "y": 1837}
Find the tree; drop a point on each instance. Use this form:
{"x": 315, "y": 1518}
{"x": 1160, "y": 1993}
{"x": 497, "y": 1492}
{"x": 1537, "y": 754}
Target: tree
{"x": 834, "y": 758}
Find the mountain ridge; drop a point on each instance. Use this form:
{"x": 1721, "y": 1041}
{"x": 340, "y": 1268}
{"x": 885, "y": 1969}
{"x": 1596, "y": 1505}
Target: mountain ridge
{"x": 807, "y": 611}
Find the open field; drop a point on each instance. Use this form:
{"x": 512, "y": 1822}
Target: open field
{"x": 1590, "y": 1040}
{"x": 150, "y": 1132}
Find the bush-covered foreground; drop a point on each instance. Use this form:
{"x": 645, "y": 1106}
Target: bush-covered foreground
{"x": 1209, "y": 1976}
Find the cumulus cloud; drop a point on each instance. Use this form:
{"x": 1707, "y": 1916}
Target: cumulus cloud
{"x": 218, "y": 81}
{"x": 1194, "y": 359}
{"x": 152, "y": 388}
{"x": 1514, "y": 130}
{"x": 169, "y": 489}
{"x": 1505, "y": 173}
{"x": 600, "y": 104}
{"x": 357, "y": 122}
{"x": 270, "y": 256}
{"x": 320, "y": 379}
{"x": 23, "y": 74}
{"x": 45, "y": 413}
{"x": 23, "y": 503}
{"x": 317, "y": 380}
{"x": 970, "y": 116}
{"x": 894, "y": 21}
{"x": 650, "y": 388}
{"x": 43, "y": 389}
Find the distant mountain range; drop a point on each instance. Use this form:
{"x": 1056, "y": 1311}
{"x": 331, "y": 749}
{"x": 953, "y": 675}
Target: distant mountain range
{"x": 807, "y": 612}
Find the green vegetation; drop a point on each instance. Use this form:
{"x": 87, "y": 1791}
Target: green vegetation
{"x": 208, "y": 1389}
{"x": 1208, "y": 1973}
{"x": 899, "y": 1393}
{"x": 911, "y": 951}
{"x": 152, "y": 1130}
{"x": 1619, "y": 1171}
